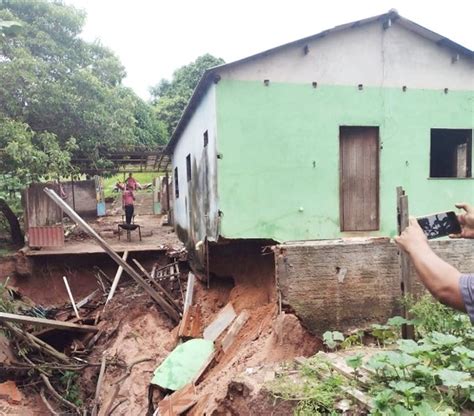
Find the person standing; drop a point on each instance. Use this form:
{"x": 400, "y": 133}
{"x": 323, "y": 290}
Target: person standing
{"x": 132, "y": 182}
{"x": 128, "y": 199}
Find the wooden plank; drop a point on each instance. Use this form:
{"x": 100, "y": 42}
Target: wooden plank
{"x": 178, "y": 402}
{"x": 191, "y": 324}
{"x": 236, "y": 326}
{"x": 339, "y": 364}
{"x": 21, "y": 319}
{"x": 359, "y": 396}
{"x": 188, "y": 300}
{"x": 224, "y": 318}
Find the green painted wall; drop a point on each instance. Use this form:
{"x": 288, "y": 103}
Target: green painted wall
{"x": 270, "y": 136}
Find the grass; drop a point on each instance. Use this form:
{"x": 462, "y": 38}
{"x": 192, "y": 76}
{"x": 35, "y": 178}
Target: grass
{"x": 141, "y": 177}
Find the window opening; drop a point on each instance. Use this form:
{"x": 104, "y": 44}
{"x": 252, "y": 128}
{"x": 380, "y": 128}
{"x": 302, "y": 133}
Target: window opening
{"x": 206, "y": 138}
{"x": 176, "y": 183}
{"x": 188, "y": 167}
{"x": 450, "y": 155}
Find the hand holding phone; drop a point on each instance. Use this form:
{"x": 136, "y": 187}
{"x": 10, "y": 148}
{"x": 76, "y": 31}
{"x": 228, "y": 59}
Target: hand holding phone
{"x": 440, "y": 224}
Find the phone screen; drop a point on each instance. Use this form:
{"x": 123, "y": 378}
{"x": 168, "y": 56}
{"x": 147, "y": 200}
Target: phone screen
{"x": 440, "y": 225}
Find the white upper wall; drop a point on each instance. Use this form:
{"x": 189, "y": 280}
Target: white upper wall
{"x": 196, "y": 210}
{"x": 367, "y": 55}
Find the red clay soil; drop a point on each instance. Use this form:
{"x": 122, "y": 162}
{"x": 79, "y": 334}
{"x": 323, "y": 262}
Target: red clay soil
{"x": 265, "y": 338}
{"x": 242, "y": 277}
{"x": 45, "y": 285}
{"x": 133, "y": 327}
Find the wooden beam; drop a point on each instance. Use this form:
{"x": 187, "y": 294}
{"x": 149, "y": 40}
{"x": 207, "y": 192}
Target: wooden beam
{"x": 21, "y": 319}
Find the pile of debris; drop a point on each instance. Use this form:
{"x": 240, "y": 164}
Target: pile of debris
{"x": 49, "y": 349}
{"x": 162, "y": 343}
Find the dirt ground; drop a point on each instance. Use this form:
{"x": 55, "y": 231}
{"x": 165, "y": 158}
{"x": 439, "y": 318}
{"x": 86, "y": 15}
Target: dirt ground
{"x": 155, "y": 235}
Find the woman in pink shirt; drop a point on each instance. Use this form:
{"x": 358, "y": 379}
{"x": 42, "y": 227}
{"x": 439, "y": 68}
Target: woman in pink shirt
{"x": 127, "y": 202}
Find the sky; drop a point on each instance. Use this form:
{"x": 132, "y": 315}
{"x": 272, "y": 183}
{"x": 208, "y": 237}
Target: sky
{"x": 152, "y": 38}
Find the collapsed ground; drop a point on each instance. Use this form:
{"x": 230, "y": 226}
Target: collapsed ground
{"x": 133, "y": 328}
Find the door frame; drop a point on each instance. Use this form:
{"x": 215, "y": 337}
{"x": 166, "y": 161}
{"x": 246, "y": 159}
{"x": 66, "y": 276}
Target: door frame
{"x": 341, "y": 201}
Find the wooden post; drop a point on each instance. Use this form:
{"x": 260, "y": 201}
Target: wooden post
{"x": 71, "y": 298}
{"x": 116, "y": 278}
{"x": 73, "y": 193}
{"x": 404, "y": 260}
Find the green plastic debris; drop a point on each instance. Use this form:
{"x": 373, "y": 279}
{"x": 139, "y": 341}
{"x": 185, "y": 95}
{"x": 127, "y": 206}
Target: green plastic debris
{"x": 183, "y": 364}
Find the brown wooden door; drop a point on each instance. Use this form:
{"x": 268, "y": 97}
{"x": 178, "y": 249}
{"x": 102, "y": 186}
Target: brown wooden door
{"x": 359, "y": 178}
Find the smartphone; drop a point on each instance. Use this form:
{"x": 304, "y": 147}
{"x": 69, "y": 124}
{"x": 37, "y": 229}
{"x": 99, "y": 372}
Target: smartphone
{"x": 440, "y": 224}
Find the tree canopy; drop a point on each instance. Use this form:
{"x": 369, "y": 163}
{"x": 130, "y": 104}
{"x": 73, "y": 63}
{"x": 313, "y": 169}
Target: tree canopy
{"x": 170, "y": 97}
{"x": 61, "y": 96}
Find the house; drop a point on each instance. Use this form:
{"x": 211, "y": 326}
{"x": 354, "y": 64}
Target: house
{"x": 309, "y": 140}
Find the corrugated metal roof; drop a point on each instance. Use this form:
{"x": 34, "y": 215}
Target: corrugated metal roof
{"x": 211, "y": 74}
{"x": 51, "y": 236}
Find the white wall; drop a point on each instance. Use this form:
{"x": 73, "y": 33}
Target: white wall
{"x": 366, "y": 55}
{"x": 196, "y": 209}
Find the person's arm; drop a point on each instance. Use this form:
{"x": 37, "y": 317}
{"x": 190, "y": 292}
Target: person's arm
{"x": 439, "y": 277}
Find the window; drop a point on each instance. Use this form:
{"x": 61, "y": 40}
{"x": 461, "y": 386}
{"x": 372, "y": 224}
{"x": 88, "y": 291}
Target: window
{"x": 188, "y": 167}
{"x": 206, "y": 138}
{"x": 176, "y": 183}
{"x": 451, "y": 151}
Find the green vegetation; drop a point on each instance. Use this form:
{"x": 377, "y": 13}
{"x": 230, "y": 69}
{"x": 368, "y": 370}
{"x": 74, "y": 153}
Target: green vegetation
{"x": 315, "y": 397}
{"x": 142, "y": 177}
{"x": 170, "y": 97}
{"x": 69, "y": 381}
{"x": 431, "y": 375}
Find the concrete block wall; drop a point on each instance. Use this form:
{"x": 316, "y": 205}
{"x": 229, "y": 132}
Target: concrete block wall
{"x": 347, "y": 284}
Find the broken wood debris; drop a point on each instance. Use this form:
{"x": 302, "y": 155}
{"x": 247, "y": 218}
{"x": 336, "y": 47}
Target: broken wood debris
{"x": 191, "y": 324}
{"x": 99, "y": 386}
{"x": 224, "y": 318}
{"x": 164, "y": 304}
{"x": 177, "y": 403}
{"x": 10, "y": 317}
{"x": 118, "y": 384}
{"x": 234, "y": 329}
{"x": 116, "y": 278}
{"x": 160, "y": 288}
{"x": 71, "y": 298}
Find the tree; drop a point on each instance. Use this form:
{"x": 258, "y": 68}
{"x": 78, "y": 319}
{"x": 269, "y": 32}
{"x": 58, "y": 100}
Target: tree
{"x": 170, "y": 97}
{"x": 61, "y": 98}
{"x": 56, "y": 82}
